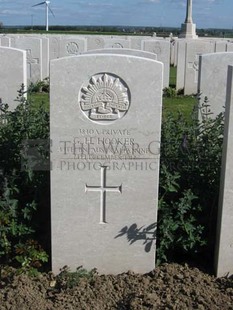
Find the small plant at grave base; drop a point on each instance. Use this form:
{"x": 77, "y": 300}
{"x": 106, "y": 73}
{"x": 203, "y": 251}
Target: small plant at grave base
{"x": 67, "y": 279}
{"x": 39, "y": 86}
{"x": 180, "y": 92}
{"x": 30, "y": 255}
{"x": 204, "y": 108}
{"x": 169, "y": 92}
{"x": 12, "y": 226}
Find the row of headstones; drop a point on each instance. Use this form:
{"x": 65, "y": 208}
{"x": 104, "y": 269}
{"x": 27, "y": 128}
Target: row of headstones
{"x": 187, "y": 60}
{"x": 104, "y": 142}
{"x": 41, "y": 49}
{"x": 104, "y": 182}
{"x": 183, "y": 53}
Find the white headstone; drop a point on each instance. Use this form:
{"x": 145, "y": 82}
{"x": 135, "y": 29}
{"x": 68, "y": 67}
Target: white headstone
{"x": 33, "y": 47}
{"x": 94, "y": 42}
{"x": 54, "y": 47}
{"x": 194, "y": 48}
{"x": 172, "y": 54}
{"x": 162, "y": 49}
{"x": 136, "y": 42}
{"x": 45, "y": 57}
{"x": 104, "y": 181}
{"x": 224, "y": 243}
{"x": 71, "y": 46}
{"x": 124, "y": 51}
{"x": 180, "y": 71}
{"x": 5, "y": 41}
{"x": 213, "y": 80}
{"x": 220, "y": 46}
{"x": 229, "y": 47}
{"x": 13, "y": 73}
{"x": 116, "y": 43}
{"x": 176, "y": 52}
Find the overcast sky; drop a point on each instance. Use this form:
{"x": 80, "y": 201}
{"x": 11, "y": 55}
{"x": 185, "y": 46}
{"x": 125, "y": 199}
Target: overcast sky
{"x": 206, "y": 13}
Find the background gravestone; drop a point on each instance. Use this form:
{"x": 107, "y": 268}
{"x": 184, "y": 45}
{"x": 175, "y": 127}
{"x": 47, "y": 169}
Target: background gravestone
{"x": 116, "y": 43}
{"x": 229, "y": 47}
{"x": 224, "y": 244}
{"x": 162, "y": 49}
{"x": 5, "y": 41}
{"x": 180, "y": 73}
{"x": 124, "y": 51}
{"x": 13, "y": 73}
{"x": 72, "y": 46}
{"x": 212, "y": 80}
{"x": 105, "y": 158}
{"x": 33, "y": 47}
{"x": 54, "y": 46}
{"x": 220, "y": 46}
{"x": 94, "y": 42}
{"x": 194, "y": 48}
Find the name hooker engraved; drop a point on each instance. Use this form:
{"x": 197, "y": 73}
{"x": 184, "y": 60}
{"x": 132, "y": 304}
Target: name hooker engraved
{"x": 106, "y": 98}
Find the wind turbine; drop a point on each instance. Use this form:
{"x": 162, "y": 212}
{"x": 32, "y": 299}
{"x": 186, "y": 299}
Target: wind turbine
{"x": 47, "y": 9}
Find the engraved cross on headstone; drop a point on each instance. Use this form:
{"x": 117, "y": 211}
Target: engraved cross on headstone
{"x": 195, "y": 66}
{"x": 103, "y": 189}
{"x": 31, "y": 61}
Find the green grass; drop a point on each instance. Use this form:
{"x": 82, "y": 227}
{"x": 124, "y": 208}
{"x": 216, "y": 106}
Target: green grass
{"x": 172, "y": 81}
{"x": 180, "y": 104}
{"x": 38, "y": 99}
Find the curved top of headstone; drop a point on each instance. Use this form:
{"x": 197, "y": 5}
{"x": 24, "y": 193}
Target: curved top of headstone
{"x": 124, "y": 51}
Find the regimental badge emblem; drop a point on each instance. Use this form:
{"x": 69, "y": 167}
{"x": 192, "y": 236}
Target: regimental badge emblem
{"x": 105, "y": 98}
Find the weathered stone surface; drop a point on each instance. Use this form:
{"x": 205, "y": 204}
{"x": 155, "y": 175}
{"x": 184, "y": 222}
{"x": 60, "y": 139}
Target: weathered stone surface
{"x": 212, "y": 81}
{"x": 71, "y": 46}
{"x": 13, "y": 73}
{"x": 94, "y": 42}
{"x": 224, "y": 244}
{"x": 162, "y": 49}
{"x": 104, "y": 181}
{"x": 220, "y": 46}
{"x": 33, "y": 47}
{"x": 180, "y": 72}
{"x": 194, "y": 48}
{"x": 116, "y": 43}
{"x": 124, "y": 51}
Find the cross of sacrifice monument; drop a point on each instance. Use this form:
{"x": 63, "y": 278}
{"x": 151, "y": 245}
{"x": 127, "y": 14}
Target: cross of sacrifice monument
{"x": 103, "y": 189}
{"x": 188, "y": 29}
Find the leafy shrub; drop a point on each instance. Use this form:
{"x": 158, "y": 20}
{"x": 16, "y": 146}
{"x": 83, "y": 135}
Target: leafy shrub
{"x": 169, "y": 92}
{"x": 39, "y": 86}
{"x": 189, "y": 185}
{"x": 24, "y": 206}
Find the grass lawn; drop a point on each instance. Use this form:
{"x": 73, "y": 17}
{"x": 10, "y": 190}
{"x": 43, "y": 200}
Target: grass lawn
{"x": 38, "y": 99}
{"x": 172, "y": 81}
{"x": 181, "y": 104}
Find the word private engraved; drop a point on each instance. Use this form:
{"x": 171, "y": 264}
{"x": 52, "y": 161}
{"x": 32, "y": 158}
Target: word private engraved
{"x": 105, "y": 99}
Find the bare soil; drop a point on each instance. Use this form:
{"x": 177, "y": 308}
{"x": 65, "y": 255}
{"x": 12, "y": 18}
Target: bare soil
{"x": 170, "y": 286}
